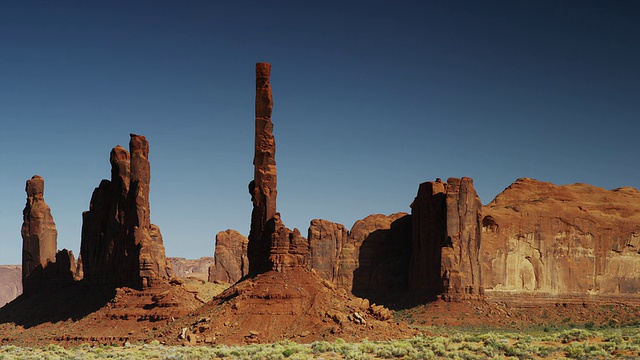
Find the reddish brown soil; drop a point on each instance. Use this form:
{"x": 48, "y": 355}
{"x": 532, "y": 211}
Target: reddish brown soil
{"x": 294, "y": 305}
{"x": 524, "y": 313}
{"x": 74, "y": 316}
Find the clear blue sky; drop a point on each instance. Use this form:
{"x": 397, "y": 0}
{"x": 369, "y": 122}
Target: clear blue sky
{"x": 371, "y": 99}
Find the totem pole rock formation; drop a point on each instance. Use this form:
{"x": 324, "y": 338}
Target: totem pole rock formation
{"x": 230, "y": 258}
{"x": 542, "y": 239}
{"x": 446, "y": 240}
{"x": 39, "y": 235}
{"x": 272, "y": 246}
{"x": 120, "y": 246}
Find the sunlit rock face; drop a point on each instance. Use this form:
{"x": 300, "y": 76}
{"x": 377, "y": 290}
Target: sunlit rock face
{"x": 272, "y": 246}
{"x": 39, "y": 235}
{"x": 572, "y": 239}
{"x": 230, "y": 257}
{"x": 43, "y": 267}
{"x": 120, "y": 246}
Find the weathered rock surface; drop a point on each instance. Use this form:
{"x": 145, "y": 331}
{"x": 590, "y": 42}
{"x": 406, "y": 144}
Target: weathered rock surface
{"x": 271, "y": 245}
{"x": 370, "y": 261}
{"x": 326, "y": 240}
{"x": 39, "y": 235}
{"x": 230, "y": 258}
{"x": 120, "y": 246}
{"x": 446, "y": 240}
{"x": 42, "y": 266}
{"x": 10, "y": 283}
{"x": 194, "y": 268}
{"x": 541, "y": 238}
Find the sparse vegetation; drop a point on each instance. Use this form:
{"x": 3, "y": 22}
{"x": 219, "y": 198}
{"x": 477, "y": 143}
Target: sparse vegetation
{"x": 621, "y": 342}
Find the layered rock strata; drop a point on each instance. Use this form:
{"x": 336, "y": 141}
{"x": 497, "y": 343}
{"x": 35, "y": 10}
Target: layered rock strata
{"x": 271, "y": 246}
{"x": 120, "y": 246}
{"x": 544, "y": 239}
{"x": 446, "y": 240}
{"x": 230, "y": 261}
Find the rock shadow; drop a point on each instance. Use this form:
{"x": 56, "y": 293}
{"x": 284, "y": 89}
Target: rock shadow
{"x": 382, "y": 274}
{"x": 51, "y": 304}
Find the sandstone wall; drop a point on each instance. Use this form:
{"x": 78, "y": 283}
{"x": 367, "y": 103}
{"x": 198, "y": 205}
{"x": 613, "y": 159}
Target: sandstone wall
{"x": 370, "y": 261}
{"x": 446, "y": 240}
{"x": 573, "y": 239}
{"x": 230, "y": 258}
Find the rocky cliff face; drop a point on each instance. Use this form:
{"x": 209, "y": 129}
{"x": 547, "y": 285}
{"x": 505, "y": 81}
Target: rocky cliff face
{"x": 572, "y": 239}
{"x": 10, "y": 283}
{"x": 120, "y": 246}
{"x": 230, "y": 258}
{"x": 272, "y": 246}
{"x": 370, "y": 261}
{"x": 446, "y": 240}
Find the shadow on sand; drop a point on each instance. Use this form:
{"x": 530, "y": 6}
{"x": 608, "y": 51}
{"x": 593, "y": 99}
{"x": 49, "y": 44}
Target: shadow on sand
{"x": 73, "y": 301}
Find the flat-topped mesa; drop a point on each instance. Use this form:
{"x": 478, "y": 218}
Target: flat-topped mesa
{"x": 271, "y": 246}
{"x": 446, "y": 240}
{"x": 39, "y": 235}
{"x": 120, "y": 246}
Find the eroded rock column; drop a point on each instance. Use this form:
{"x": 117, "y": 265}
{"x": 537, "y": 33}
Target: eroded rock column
{"x": 39, "y": 235}
{"x": 263, "y": 187}
{"x": 272, "y": 246}
{"x": 446, "y": 240}
{"x": 460, "y": 255}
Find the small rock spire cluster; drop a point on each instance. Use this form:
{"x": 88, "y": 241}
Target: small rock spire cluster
{"x": 120, "y": 246}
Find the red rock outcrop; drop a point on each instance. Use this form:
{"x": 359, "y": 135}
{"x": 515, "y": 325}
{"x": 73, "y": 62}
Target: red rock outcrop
{"x": 326, "y": 241}
{"x": 42, "y": 266}
{"x": 446, "y": 240}
{"x": 120, "y": 246}
{"x": 271, "y": 246}
{"x": 539, "y": 238}
{"x": 39, "y": 235}
{"x": 370, "y": 261}
{"x": 230, "y": 258}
